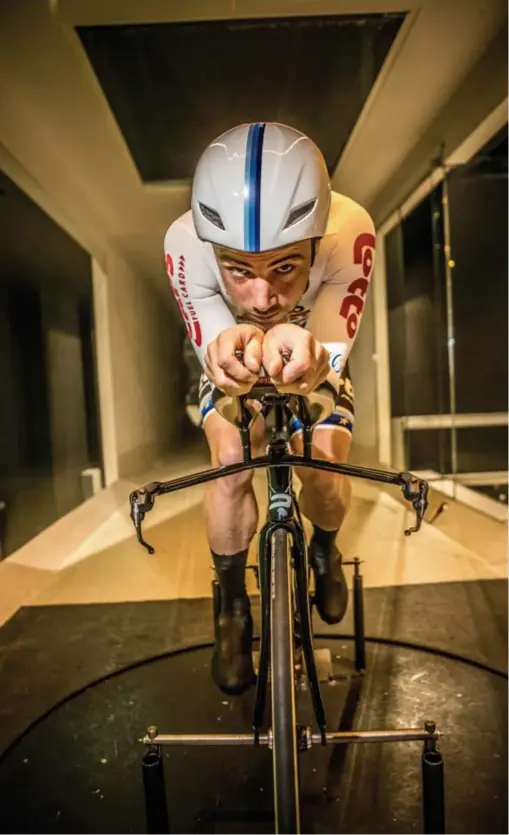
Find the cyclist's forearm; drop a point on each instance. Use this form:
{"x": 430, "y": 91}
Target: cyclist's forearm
{"x": 204, "y": 318}
{"x": 203, "y": 309}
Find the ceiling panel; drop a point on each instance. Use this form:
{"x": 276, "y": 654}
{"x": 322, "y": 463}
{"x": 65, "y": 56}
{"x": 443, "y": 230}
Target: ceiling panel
{"x": 175, "y": 87}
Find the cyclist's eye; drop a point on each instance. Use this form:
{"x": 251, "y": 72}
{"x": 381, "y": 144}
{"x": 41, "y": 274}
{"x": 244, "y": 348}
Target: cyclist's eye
{"x": 238, "y": 272}
{"x": 285, "y": 269}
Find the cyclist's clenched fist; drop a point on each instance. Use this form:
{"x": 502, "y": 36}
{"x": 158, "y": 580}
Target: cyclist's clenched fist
{"x": 294, "y": 360}
{"x": 224, "y": 368}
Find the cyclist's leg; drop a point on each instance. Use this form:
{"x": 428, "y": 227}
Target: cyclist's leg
{"x": 231, "y": 512}
{"x": 325, "y": 498}
{"x": 231, "y": 516}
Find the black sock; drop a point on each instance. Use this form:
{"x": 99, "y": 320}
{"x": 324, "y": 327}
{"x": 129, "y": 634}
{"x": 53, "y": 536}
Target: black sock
{"x": 231, "y": 573}
{"x": 325, "y": 539}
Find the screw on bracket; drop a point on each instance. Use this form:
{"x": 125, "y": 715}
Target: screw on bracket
{"x": 430, "y": 728}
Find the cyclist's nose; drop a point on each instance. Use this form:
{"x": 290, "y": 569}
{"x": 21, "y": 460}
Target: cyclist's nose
{"x": 264, "y": 295}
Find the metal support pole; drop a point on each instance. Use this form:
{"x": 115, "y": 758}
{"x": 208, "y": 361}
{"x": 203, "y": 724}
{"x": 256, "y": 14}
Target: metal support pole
{"x": 358, "y": 618}
{"x": 451, "y": 354}
{"x": 154, "y": 788}
{"x": 433, "y": 805}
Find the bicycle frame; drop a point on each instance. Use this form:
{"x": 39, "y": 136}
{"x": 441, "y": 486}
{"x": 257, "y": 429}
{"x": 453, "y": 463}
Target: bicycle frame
{"x": 282, "y": 512}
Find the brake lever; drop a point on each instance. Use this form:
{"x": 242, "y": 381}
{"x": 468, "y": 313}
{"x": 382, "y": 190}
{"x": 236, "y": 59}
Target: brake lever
{"x": 141, "y": 502}
{"x": 418, "y": 497}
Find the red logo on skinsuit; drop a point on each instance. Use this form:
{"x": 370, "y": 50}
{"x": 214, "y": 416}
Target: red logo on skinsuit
{"x": 184, "y": 302}
{"x": 353, "y": 304}
{"x": 363, "y": 252}
{"x": 169, "y": 265}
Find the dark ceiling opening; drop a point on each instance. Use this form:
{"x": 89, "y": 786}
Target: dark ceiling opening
{"x": 174, "y": 87}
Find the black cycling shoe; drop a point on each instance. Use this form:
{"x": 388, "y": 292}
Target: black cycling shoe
{"x": 331, "y": 590}
{"x": 232, "y": 662}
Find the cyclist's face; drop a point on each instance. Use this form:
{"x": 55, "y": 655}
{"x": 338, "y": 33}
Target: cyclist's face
{"x": 266, "y": 286}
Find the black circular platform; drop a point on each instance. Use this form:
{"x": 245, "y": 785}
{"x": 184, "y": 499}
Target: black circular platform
{"x": 79, "y": 768}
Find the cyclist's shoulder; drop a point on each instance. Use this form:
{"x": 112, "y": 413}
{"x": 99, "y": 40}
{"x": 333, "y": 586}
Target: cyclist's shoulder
{"x": 345, "y": 214}
{"x": 349, "y": 227}
{"x": 188, "y": 258}
{"x": 182, "y": 233}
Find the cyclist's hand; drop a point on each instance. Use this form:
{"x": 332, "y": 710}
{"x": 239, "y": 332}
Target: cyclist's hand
{"x": 308, "y": 363}
{"x": 227, "y": 372}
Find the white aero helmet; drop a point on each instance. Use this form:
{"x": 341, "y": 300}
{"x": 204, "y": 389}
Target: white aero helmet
{"x": 260, "y": 186}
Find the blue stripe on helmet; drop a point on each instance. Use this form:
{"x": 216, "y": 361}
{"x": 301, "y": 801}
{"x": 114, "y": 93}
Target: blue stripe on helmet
{"x": 252, "y": 187}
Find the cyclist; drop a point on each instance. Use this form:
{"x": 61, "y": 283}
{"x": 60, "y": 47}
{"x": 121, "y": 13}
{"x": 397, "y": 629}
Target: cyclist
{"x": 270, "y": 261}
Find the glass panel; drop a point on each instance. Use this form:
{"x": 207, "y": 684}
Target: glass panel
{"x": 429, "y": 449}
{"x": 479, "y": 449}
{"x": 482, "y": 449}
{"x": 498, "y": 492}
{"x": 424, "y": 301}
{"x": 478, "y": 220}
{"x": 417, "y": 328}
{"x": 447, "y": 287}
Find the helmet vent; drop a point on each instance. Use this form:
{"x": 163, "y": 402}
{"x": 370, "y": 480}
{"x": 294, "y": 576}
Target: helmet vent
{"x": 299, "y": 213}
{"x": 211, "y": 215}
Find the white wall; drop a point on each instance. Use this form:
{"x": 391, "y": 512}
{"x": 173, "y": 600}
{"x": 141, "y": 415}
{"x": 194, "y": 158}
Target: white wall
{"x": 139, "y": 351}
{"x": 60, "y": 144}
{"x": 66, "y": 396}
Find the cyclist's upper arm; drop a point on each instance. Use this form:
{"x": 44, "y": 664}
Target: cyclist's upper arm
{"x": 339, "y": 304}
{"x": 195, "y": 288}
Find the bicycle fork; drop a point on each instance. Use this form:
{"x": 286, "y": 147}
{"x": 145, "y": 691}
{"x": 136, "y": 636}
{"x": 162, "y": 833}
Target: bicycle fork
{"x": 281, "y": 514}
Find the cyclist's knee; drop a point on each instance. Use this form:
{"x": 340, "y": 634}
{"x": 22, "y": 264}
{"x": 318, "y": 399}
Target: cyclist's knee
{"x": 234, "y": 485}
{"x": 227, "y": 451}
{"x": 327, "y": 485}
{"x": 226, "y": 448}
